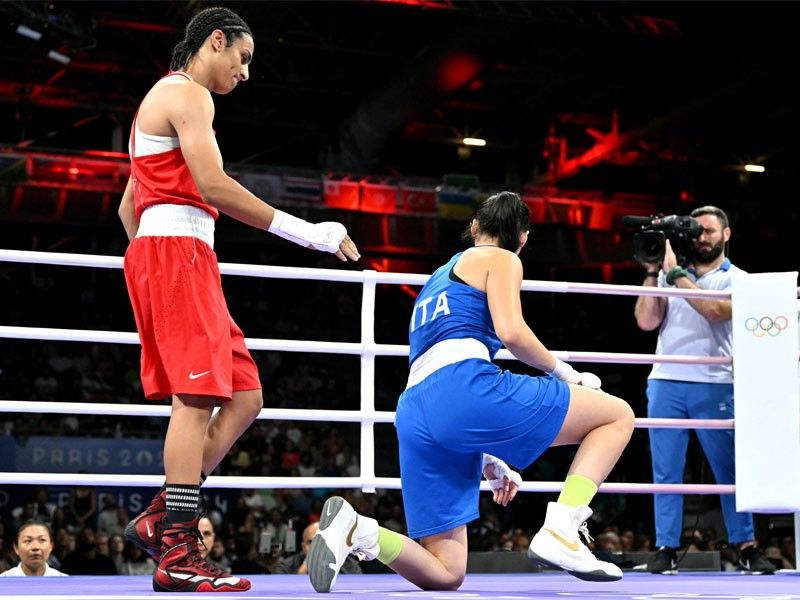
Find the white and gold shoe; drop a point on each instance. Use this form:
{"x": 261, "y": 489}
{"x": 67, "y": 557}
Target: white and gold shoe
{"x": 342, "y": 531}
{"x": 558, "y": 545}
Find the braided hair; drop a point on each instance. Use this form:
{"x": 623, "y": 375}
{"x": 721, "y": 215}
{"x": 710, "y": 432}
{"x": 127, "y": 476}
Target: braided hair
{"x": 200, "y": 27}
{"x": 504, "y": 216}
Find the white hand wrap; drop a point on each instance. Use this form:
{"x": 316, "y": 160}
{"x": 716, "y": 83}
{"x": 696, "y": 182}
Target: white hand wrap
{"x": 325, "y": 236}
{"x": 590, "y": 380}
{"x": 501, "y": 469}
{"x": 565, "y": 372}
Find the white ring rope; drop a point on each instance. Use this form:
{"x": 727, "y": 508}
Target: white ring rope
{"x": 115, "y": 262}
{"x": 293, "y": 414}
{"x": 384, "y": 483}
{"x": 121, "y": 337}
{"x": 367, "y": 349}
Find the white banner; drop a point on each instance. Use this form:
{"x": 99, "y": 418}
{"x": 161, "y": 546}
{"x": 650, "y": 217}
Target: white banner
{"x": 766, "y": 392}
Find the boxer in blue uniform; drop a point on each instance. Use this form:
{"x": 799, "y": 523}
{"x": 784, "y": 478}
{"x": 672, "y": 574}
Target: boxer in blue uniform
{"x": 461, "y": 415}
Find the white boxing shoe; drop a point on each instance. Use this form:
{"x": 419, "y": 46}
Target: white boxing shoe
{"x": 558, "y": 545}
{"x": 342, "y": 531}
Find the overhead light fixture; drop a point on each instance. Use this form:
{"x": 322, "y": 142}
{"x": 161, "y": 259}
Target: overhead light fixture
{"x": 469, "y": 141}
{"x": 58, "y": 57}
{"x": 28, "y": 32}
{"x": 754, "y": 168}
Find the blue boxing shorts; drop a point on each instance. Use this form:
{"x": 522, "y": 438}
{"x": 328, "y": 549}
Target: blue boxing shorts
{"x": 447, "y": 421}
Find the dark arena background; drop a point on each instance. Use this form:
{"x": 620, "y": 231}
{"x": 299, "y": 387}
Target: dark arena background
{"x": 357, "y": 112}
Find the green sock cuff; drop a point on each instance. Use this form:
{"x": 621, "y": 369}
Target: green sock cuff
{"x": 390, "y": 543}
{"x": 577, "y": 491}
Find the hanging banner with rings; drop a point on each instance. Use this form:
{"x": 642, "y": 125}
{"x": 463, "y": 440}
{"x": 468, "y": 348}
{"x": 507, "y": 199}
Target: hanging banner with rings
{"x": 766, "y": 392}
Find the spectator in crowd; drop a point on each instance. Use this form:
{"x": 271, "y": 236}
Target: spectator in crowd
{"x": 108, "y": 520}
{"x": 43, "y": 509}
{"x": 627, "y": 539}
{"x": 218, "y": 556}
{"x": 33, "y": 546}
{"x": 207, "y": 536}
{"x": 22, "y": 514}
{"x": 136, "y": 562}
{"x": 306, "y": 468}
{"x": 277, "y": 527}
{"x": 787, "y": 547}
{"x": 643, "y": 543}
{"x": 347, "y": 461}
{"x": 5, "y": 563}
{"x": 59, "y": 521}
{"x": 521, "y": 542}
{"x": 87, "y": 558}
{"x": 609, "y": 541}
{"x": 774, "y": 555}
{"x": 249, "y": 527}
{"x": 210, "y": 548}
{"x": 82, "y": 508}
{"x": 395, "y": 521}
{"x": 246, "y": 561}
{"x": 116, "y": 552}
{"x": 102, "y": 542}
{"x": 254, "y": 502}
{"x": 64, "y": 545}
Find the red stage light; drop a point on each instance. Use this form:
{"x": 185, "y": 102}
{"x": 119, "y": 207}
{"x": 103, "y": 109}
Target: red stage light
{"x": 456, "y": 70}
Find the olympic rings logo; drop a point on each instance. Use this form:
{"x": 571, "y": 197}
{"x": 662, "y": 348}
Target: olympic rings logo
{"x": 766, "y": 326}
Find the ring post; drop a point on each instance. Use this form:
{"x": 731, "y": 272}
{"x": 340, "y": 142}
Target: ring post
{"x": 766, "y": 392}
{"x": 368, "y": 382}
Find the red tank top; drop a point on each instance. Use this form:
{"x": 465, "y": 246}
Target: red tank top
{"x": 159, "y": 172}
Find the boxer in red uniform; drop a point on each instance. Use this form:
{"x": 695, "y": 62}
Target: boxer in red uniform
{"x": 192, "y": 350}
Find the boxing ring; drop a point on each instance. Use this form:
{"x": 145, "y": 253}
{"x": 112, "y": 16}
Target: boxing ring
{"x": 540, "y": 585}
{"x": 507, "y": 586}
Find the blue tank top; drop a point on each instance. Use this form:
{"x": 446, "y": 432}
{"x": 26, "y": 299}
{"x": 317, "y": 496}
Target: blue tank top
{"x": 446, "y": 310}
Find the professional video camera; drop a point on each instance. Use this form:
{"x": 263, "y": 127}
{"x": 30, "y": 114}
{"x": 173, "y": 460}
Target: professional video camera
{"x": 650, "y": 243}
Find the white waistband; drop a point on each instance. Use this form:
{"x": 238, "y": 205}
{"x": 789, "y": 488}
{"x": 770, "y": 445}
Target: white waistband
{"x": 177, "y": 220}
{"x": 445, "y": 353}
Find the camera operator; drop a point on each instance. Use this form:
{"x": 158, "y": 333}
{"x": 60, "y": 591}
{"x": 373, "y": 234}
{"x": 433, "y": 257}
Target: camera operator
{"x": 696, "y": 327}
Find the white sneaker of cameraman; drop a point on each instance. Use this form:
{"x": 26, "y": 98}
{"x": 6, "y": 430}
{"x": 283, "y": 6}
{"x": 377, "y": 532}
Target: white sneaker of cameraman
{"x": 342, "y": 531}
{"x": 558, "y": 544}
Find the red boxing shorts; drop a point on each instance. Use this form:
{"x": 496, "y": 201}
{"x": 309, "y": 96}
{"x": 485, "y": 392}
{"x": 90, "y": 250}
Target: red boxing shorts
{"x": 190, "y": 343}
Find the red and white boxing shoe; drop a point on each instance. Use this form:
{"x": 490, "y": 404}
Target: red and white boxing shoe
{"x": 182, "y": 569}
{"x": 145, "y": 530}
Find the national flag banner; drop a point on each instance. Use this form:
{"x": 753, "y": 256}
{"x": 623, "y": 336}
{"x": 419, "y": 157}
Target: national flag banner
{"x": 456, "y": 202}
{"x": 378, "y": 197}
{"x": 302, "y": 189}
{"x": 416, "y": 199}
{"x": 342, "y": 193}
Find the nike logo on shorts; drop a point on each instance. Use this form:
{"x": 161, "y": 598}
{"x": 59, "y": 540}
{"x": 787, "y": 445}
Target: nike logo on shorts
{"x": 149, "y": 531}
{"x": 193, "y": 375}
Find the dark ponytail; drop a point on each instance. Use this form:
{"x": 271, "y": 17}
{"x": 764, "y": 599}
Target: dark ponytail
{"x": 200, "y": 27}
{"x": 503, "y": 216}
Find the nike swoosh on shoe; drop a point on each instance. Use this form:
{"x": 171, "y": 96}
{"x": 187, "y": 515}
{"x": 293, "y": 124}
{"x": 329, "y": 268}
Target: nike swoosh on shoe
{"x": 572, "y": 546}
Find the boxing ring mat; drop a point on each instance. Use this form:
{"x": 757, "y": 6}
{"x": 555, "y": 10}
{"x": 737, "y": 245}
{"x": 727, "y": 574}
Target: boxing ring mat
{"x": 540, "y": 586}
